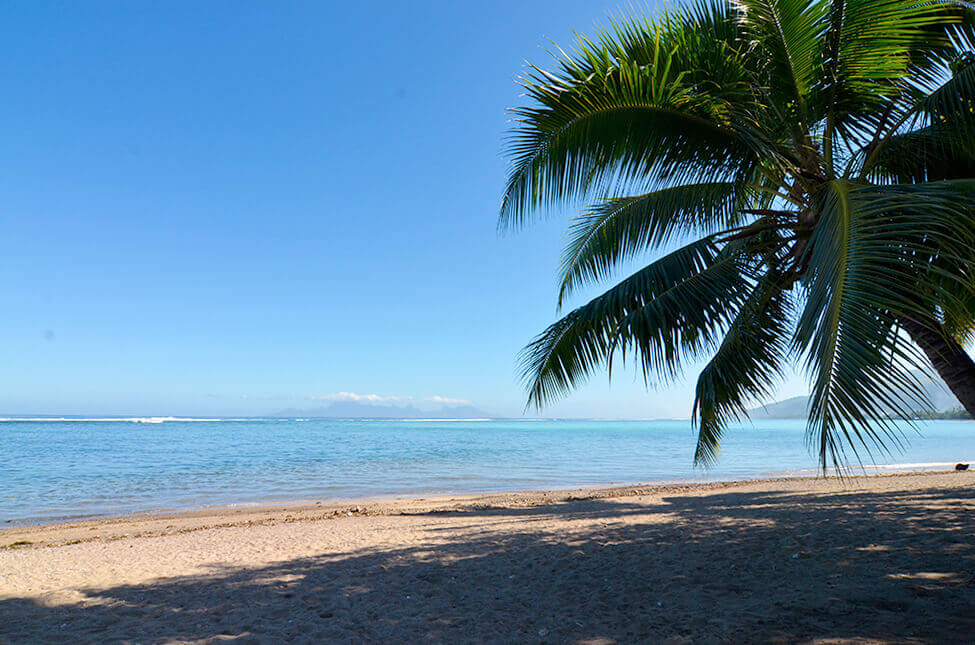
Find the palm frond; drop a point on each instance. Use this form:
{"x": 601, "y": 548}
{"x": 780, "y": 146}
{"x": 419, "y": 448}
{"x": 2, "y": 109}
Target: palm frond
{"x": 953, "y": 104}
{"x": 944, "y": 105}
{"x": 931, "y": 153}
{"x": 788, "y": 33}
{"x": 666, "y": 311}
{"x": 605, "y": 119}
{"x": 745, "y": 121}
{"x": 746, "y": 366}
{"x": 616, "y": 229}
{"x": 866, "y": 258}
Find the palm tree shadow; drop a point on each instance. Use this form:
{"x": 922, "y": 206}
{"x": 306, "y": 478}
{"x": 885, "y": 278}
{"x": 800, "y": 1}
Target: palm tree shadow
{"x": 731, "y": 566}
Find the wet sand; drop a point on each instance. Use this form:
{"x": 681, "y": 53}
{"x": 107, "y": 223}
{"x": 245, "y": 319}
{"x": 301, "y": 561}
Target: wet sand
{"x": 873, "y": 559}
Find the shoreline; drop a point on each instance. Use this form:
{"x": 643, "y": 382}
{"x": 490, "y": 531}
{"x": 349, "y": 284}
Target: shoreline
{"x": 863, "y": 470}
{"x": 154, "y": 523}
{"x": 867, "y": 559}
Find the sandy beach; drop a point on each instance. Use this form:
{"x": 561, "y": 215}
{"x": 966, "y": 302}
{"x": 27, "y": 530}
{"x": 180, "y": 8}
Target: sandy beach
{"x": 872, "y": 559}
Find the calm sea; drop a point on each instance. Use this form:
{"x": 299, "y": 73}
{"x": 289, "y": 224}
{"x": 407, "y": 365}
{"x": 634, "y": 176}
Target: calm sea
{"x": 73, "y": 468}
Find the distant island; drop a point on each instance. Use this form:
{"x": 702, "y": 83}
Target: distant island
{"x": 361, "y": 410}
{"x": 946, "y": 406}
{"x": 953, "y": 413}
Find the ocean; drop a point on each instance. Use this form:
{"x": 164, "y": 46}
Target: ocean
{"x": 66, "y": 469}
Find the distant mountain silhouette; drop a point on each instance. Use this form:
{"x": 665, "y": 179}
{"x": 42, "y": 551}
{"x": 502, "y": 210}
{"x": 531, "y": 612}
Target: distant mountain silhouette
{"x": 798, "y": 406}
{"x": 360, "y": 410}
{"x": 795, "y": 408}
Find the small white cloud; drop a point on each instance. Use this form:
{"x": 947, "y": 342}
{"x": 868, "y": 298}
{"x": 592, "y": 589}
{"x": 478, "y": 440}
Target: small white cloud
{"x": 352, "y": 396}
{"x": 448, "y": 401}
{"x": 377, "y": 398}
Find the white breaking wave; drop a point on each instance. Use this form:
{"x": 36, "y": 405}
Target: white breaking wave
{"x": 932, "y": 465}
{"x": 114, "y": 419}
{"x": 434, "y": 420}
{"x": 922, "y": 466}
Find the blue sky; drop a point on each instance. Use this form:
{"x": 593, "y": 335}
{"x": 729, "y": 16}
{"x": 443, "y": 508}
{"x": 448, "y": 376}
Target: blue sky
{"x": 234, "y": 208}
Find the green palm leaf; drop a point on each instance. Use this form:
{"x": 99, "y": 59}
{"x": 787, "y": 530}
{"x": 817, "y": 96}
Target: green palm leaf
{"x": 821, "y": 151}
{"x": 930, "y": 153}
{"x": 789, "y": 33}
{"x": 617, "y": 229}
{"x": 603, "y": 119}
{"x": 867, "y": 262}
{"x": 670, "y": 309}
{"x": 746, "y": 366}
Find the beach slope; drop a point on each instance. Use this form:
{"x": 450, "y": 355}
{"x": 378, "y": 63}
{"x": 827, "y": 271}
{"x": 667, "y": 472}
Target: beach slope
{"x": 874, "y": 559}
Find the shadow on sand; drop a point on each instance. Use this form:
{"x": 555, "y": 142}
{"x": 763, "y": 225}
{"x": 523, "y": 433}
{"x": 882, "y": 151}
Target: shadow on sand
{"x": 726, "y": 567}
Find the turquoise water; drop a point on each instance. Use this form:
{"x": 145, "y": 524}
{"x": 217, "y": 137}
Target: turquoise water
{"x": 71, "y": 468}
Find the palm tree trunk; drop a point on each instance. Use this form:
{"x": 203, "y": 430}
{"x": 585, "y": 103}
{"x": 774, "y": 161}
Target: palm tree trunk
{"x": 950, "y": 360}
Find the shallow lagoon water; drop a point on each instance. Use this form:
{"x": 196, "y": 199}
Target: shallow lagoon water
{"x": 58, "y": 469}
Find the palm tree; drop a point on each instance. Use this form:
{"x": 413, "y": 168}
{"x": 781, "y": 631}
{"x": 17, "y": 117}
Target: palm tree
{"x": 816, "y": 159}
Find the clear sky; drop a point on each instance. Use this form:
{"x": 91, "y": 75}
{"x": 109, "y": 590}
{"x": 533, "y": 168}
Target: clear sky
{"x": 234, "y": 208}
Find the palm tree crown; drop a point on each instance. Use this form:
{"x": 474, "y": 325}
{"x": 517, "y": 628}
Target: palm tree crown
{"x": 816, "y": 157}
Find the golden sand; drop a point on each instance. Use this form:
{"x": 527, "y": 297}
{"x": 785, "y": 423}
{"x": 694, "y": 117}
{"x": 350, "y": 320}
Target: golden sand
{"x": 871, "y": 559}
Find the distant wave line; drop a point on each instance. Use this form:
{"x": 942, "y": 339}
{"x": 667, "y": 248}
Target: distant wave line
{"x": 116, "y": 419}
{"x": 933, "y": 465}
